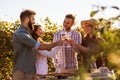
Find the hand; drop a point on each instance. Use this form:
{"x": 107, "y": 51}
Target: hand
{"x": 71, "y": 42}
{"x": 60, "y": 42}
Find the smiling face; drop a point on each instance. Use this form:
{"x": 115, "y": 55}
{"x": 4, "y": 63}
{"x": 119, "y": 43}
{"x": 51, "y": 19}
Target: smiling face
{"x": 68, "y": 23}
{"x": 87, "y": 26}
{"x": 39, "y": 31}
{"x": 88, "y": 29}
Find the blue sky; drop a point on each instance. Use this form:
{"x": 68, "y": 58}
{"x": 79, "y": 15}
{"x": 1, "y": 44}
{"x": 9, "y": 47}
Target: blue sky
{"x": 54, "y": 9}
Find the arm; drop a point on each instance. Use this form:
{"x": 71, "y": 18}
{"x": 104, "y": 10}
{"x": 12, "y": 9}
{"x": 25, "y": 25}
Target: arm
{"x": 47, "y": 53}
{"x": 50, "y": 45}
{"x": 96, "y": 48}
{"x": 44, "y": 53}
{"x": 56, "y": 42}
{"x": 27, "y": 40}
{"x": 82, "y": 48}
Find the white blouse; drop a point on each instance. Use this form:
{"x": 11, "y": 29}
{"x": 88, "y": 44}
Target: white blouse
{"x": 41, "y": 62}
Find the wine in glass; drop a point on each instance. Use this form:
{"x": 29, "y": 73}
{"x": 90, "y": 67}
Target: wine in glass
{"x": 63, "y": 36}
{"x": 66, "y": 36}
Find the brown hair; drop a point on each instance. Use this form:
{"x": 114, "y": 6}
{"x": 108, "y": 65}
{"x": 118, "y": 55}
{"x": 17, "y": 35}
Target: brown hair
{"x": 71, "y": 16}
{"x": 34, "y": 35}
{"x": 26, "y": 13}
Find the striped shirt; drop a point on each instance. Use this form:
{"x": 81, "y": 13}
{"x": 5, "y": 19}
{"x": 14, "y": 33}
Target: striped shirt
{"x": 66, "y": 57}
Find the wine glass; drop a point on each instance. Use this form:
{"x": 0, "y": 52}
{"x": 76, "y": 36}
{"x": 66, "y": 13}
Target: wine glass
{"x": 66, "y": 36}
{"x": 63, "y": 35}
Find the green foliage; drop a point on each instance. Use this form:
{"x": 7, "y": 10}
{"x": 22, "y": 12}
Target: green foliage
{"x": 49, "y": 30}
{"x": 6, "y": 50}
{"x": 112, "y": 38}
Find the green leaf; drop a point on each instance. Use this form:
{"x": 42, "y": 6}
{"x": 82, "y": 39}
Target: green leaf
{"x": 93, "y": 13}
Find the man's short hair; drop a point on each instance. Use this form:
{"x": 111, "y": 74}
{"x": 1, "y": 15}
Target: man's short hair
{"x": 26, "y": 13}
{"x": 71, "y": 16}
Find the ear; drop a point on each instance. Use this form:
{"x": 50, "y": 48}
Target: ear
{"x": 73, "y": 23}
{"x": 26, "y": 19}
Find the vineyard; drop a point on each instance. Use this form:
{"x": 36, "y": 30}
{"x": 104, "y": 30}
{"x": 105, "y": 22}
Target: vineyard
{"x": 107, "y": 31}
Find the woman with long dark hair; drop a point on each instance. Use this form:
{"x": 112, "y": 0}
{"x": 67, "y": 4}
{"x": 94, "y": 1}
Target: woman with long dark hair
{"x": 41, "y": 55}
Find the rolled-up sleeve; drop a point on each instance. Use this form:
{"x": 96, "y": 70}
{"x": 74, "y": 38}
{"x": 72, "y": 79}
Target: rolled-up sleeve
{"x": 37, "y": 45}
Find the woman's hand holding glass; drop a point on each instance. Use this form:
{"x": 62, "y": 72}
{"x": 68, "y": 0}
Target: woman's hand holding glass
{"x": 71, "y": 42}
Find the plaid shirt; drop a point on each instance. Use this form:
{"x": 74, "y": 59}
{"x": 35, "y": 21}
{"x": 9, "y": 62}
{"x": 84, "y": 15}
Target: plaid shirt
{"x": 66, "y": 57}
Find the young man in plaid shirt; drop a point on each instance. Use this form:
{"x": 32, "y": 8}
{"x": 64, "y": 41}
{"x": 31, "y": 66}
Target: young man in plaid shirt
{"x": 65, "y": 61}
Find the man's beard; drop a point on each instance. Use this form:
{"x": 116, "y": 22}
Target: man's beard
{"x": 30, "y": 26}
{"x": 67, "y": 28}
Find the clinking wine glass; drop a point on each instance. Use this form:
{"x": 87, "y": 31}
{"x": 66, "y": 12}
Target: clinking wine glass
{"x": 66, "y": 36}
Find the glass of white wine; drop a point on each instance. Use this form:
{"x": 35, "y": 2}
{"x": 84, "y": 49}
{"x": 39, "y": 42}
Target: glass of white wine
{"x": 63, "y": 36}
{"x": 66, "y": 36}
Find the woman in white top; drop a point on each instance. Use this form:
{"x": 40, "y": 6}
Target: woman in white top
{"x": 41, "y": 55}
